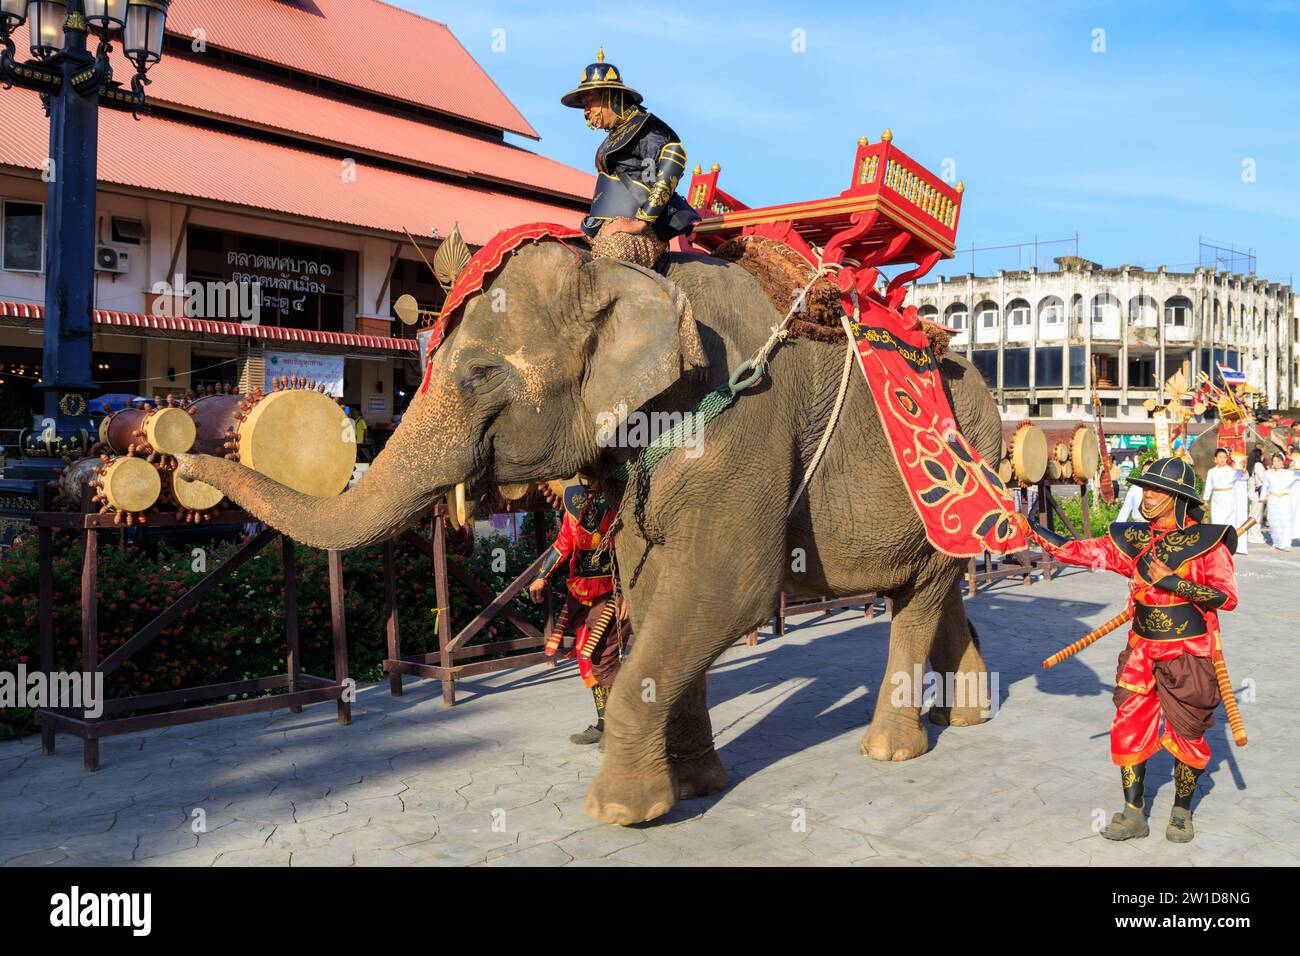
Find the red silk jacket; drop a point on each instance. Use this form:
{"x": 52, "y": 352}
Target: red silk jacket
{"x": 587, "y": 520}
{"x": 1204, "y": 578}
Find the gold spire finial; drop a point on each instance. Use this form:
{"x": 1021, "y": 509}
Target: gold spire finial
{"x": 863, "y": 141}
{"x": 715, "y": 168}
{"x": 696, "y": 170}
{"x": 961, "y": 186}
{"x": 600, "y": 54}
{"x": 888, "y": 135}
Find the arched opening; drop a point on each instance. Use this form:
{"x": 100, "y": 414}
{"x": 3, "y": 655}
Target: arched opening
{"x": 1143, "y": 313}
{"x": 1051, "y": 313}
{"x": 1018, "y": 314}
{"x": 1178, "y": 312}
{"x": 955, "y": 316}
{"x": 1104, "y": 309}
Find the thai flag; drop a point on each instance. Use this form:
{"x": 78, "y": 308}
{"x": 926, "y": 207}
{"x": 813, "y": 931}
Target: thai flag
{"x": 1230, "y": 375}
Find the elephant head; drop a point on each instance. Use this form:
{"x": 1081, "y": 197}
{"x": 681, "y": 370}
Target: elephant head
{"x": 554, "y": 347}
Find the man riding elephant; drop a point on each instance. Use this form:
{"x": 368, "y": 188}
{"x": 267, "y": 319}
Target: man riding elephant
{"x": 635, "y": 210}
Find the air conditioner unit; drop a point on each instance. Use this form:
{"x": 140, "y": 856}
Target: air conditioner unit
{"x": 112, "y": 259}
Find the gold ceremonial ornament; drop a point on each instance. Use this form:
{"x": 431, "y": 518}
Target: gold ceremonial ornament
{"x": 407, "y": 309}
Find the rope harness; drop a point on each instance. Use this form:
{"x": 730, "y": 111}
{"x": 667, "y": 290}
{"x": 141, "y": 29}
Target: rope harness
{"x": 746, "y": 376}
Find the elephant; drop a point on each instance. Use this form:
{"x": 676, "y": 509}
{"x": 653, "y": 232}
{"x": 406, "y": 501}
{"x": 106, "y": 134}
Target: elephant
{"x": 1203, "y": 447}
{"x": 559, "y": 343}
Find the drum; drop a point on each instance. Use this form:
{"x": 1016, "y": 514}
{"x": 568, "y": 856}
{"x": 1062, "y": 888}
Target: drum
{"x": 128, "y": 486}
{"x": 1077, "y": 447}
{"x": 295, "y": 434}
{"x": 165, "y": 429}
{"x": 1027, "y": 451}
{"x": 82, "y": 472}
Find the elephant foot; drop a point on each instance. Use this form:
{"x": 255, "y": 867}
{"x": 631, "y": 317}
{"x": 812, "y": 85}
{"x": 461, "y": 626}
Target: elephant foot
{"x": 624, "y": 799}
{"x": 698, "y": 776}
{"x": 957, "y": 716}
{"x": 897, "y": 741}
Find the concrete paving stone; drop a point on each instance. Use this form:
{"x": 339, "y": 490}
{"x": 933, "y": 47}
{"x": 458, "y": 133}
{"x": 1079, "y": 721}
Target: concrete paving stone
{"x": 165, "y": 843}
{"x": 256, "y": 856}
{"x": 539, "y": 854}
{"x": 788, "y": 717}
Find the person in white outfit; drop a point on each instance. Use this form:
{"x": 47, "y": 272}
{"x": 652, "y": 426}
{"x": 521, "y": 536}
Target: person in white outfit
{"x": 1225, "y": 493}
{"x": 1132, "y": 507}
{"x": 1280, "y": 493}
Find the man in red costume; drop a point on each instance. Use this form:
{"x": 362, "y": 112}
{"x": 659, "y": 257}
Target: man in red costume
{"x": 592, "y": 607}
{"x": 1181, "y": 575}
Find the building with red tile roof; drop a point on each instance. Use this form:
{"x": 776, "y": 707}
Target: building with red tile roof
{"x": 275, "y": 151}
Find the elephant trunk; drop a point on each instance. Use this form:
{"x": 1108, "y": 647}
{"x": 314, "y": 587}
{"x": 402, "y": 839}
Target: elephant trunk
{"x": 386, "y": 500}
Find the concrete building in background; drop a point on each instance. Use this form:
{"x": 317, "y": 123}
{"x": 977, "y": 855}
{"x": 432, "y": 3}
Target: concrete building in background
{"x": 1043, "y": 339}
{"x": 287, "y": 144}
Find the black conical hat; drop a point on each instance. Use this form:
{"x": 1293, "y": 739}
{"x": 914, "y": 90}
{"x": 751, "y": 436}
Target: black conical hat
{"x": 600, "y": 76}
{"x": 1171, "y": 475}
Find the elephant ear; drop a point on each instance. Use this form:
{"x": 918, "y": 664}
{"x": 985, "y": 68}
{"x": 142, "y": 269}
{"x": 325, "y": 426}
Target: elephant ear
{"x": 645, "y": 338}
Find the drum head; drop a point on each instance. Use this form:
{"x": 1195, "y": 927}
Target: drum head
{"x": 1085, "y": 453}
{"x": 1029, "y": 453}
{"x": 131, "y": 484}
{"x": 170, "y": 431}
{"x": 302, "y": 439}
{"x": 194, "y": 495}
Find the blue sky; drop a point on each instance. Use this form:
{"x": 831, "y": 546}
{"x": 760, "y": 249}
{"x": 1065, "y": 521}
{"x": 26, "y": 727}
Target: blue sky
{"x": 1140, "y": 148}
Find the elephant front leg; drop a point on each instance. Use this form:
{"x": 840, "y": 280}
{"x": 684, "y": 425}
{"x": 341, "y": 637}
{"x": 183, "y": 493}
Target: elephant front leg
{"x": 957, "y": 659}
{"x": 635, "y": 782}
{"x": 696, "y": 769}
{"x": 896, "y": 731}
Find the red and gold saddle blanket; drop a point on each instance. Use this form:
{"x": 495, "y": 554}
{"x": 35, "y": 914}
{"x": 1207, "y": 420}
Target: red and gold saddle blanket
{"x": 964, "y": 506}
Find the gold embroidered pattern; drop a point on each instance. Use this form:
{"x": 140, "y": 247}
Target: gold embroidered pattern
{"x": 1184, "y": 779}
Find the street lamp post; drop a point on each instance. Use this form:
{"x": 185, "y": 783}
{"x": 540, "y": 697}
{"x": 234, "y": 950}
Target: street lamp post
{"x": 73, "y": 83}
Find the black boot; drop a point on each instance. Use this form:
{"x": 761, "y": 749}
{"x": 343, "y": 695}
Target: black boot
{"x": 1180, "y": 818}
{"x": 595, "y": 732}
{"x": 1131, "y": 822}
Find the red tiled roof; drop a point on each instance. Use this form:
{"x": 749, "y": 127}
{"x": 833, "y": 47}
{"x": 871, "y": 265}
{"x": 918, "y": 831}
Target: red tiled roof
{"x": 171, "y": 157}
{"x": 21, "y": 310}
{"x": 361, "y": 43}
{"x": 209, "y": 89}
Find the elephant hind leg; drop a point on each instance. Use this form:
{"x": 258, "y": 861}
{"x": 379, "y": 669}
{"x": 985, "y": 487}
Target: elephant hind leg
{"x": 957, "y": 659}
{"x": 696, "y": 769}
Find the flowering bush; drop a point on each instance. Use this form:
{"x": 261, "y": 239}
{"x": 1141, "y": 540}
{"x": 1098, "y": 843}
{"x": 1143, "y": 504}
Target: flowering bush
{"x": 236, "y": 631}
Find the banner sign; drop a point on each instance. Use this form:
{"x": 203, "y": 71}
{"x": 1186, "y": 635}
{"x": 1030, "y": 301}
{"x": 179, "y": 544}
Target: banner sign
{"x": 326, "y": 370}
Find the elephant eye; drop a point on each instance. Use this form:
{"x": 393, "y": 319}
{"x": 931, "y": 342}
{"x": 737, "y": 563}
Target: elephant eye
{"x": 479, "y": 375}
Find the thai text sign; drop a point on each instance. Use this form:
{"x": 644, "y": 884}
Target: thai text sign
{"x": 326, "y": 370}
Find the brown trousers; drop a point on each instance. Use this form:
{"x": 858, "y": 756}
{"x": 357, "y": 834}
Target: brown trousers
{"x": 605, "y": 656}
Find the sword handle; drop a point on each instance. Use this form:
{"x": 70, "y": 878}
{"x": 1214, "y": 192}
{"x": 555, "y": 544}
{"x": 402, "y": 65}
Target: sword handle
{"x": 1090, "y": 638}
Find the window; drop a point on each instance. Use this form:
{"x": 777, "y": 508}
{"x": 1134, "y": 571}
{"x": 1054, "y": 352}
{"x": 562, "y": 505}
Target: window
{"x": 1019, "y": 315}
{"x": 988, "y": 318}
{"x": 129, "y": 231}
{"x": 22, "y": 246}
{"x": 1177, "y": 313}
{"x": 955, "y": 318}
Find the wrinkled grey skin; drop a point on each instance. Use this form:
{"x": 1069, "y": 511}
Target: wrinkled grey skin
{"x": 514, "y": 397}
